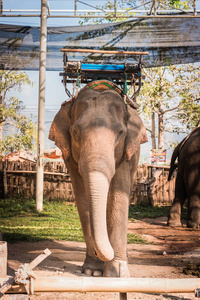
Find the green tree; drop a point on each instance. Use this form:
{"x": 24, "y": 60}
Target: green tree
{"x": 110, "y": 5}
{"x": 170, "y": 100}
{"x": 110, "y": 8}
{"x": 22, "y": 130}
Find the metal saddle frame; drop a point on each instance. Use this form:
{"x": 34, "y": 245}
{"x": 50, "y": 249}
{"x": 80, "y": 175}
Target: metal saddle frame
{"x": 84, "y": 72}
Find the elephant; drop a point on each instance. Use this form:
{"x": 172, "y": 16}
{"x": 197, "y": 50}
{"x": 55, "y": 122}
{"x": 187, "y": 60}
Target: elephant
{"x": 187, "y": 181}
{"x": 100, "y": 136}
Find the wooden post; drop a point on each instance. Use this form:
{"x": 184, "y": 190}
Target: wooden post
{"x": 122, "y": 274}
{"x": 3, "y": 259}
{"x": 41, "y": 105}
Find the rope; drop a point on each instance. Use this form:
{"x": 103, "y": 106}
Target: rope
{"x": 22, "y": 276}
{"x": 91, "y": 87}
{"x": 125, "y": 84}
{"x": 78, "y": 80}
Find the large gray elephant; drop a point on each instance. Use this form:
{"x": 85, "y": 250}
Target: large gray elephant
{"x": 187, "y": 180}
{"x": 100, "y": 136}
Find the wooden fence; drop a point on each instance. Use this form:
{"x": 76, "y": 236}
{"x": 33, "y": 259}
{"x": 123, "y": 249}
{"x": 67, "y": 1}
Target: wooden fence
{"x": 19, "y": 178}
{"x": 152, "y": 186}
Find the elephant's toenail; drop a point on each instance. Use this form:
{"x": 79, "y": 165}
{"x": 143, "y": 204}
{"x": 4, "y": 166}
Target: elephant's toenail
{"x": 97, "y": 273}
{"x": 88, "y": 272}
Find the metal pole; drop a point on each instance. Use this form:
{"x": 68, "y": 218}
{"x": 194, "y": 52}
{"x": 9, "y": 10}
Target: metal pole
{"x": 195, "y": 8}
{"x": 41, "y": 105}
{"x": 75, "y": 8}
{"x": 115, "y": 7}
{"x": 155, "y": 8}
{"x": 1, "y": 7}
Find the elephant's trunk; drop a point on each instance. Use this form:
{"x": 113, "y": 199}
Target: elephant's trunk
{"x": 97, "y": 190}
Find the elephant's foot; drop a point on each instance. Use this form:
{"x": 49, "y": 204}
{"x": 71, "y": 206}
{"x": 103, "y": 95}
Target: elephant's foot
{"x": 113, "y": 269}
{"x": 174, "y": 223}
{"x": 174, "y": 220}
{"x": 193, "y": 220}
{"x": 92, "y": 266}
{"x": 193, "y": 224}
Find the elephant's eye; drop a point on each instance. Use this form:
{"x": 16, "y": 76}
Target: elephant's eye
{"x": 120, "y": 132}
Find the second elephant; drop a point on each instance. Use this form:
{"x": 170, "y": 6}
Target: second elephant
{"x": 187, "y": 180}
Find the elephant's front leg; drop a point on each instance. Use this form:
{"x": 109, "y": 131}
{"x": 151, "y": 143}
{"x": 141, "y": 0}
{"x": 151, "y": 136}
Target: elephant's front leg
{"x": 117, "y": 221}
{"x": 174, "y": 218}
{"x": 92, "y": 265}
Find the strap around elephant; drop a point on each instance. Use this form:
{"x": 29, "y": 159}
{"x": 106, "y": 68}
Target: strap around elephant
{"x": 106, "y": 85}
{"x": 103, "y": 85}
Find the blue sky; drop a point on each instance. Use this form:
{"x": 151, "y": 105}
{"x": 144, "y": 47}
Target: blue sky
{"x": 54, "y": 4}
{"x": 36, "y": 4}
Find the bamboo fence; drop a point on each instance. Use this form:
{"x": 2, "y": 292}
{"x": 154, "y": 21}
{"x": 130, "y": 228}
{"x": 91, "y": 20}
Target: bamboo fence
{"x": 19, "y": 178}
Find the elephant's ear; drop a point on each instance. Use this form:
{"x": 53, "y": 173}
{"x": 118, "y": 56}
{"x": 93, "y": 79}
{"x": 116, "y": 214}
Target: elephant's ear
{"x": 136, "y": 133}
{"x": 59, "y": 131}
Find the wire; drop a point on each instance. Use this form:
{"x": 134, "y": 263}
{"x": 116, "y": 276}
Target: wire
{"x": 91, "y": 5}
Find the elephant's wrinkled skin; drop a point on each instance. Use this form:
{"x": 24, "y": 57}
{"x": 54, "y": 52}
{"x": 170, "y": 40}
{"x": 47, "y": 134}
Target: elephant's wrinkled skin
{"x": 100, "y": 140}
{"x": 187, "y": 181}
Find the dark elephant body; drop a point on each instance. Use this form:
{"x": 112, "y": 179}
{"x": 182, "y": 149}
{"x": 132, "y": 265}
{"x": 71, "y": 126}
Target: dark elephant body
{"x": 100, "y": 137}
{"x": 187, "y": 181}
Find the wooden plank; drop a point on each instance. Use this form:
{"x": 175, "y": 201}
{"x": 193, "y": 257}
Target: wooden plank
{"x": 105, "y": 51}
{"x": 34, "y": 172}
{"x": 32, "y": 187}
{"x": 165, "y": 190}
{"x": 158, "y": 167}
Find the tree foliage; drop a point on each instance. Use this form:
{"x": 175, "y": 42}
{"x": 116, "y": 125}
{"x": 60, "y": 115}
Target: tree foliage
{"x": 109, "y": 5}
{"x": 128, "y": 6}
{"x": 170, "y": 100}
{"x": 21, "y": 129}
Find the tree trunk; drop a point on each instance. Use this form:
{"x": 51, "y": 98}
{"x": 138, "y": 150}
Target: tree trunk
{"x": 5, "y": 186}
{"x": 160, "y": 131}
{"x": 2, "y": 102}
{"x": 153, "y": 130}
{"x": 1, "y": 137}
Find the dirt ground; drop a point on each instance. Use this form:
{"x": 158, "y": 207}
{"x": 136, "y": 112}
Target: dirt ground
{"x": 169, "y": 252}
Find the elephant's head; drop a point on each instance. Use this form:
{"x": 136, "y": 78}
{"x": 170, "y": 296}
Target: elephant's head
{"x": 98, "y": 130}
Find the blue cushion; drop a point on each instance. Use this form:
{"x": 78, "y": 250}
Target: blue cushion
{"x": 100, "y": 67}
